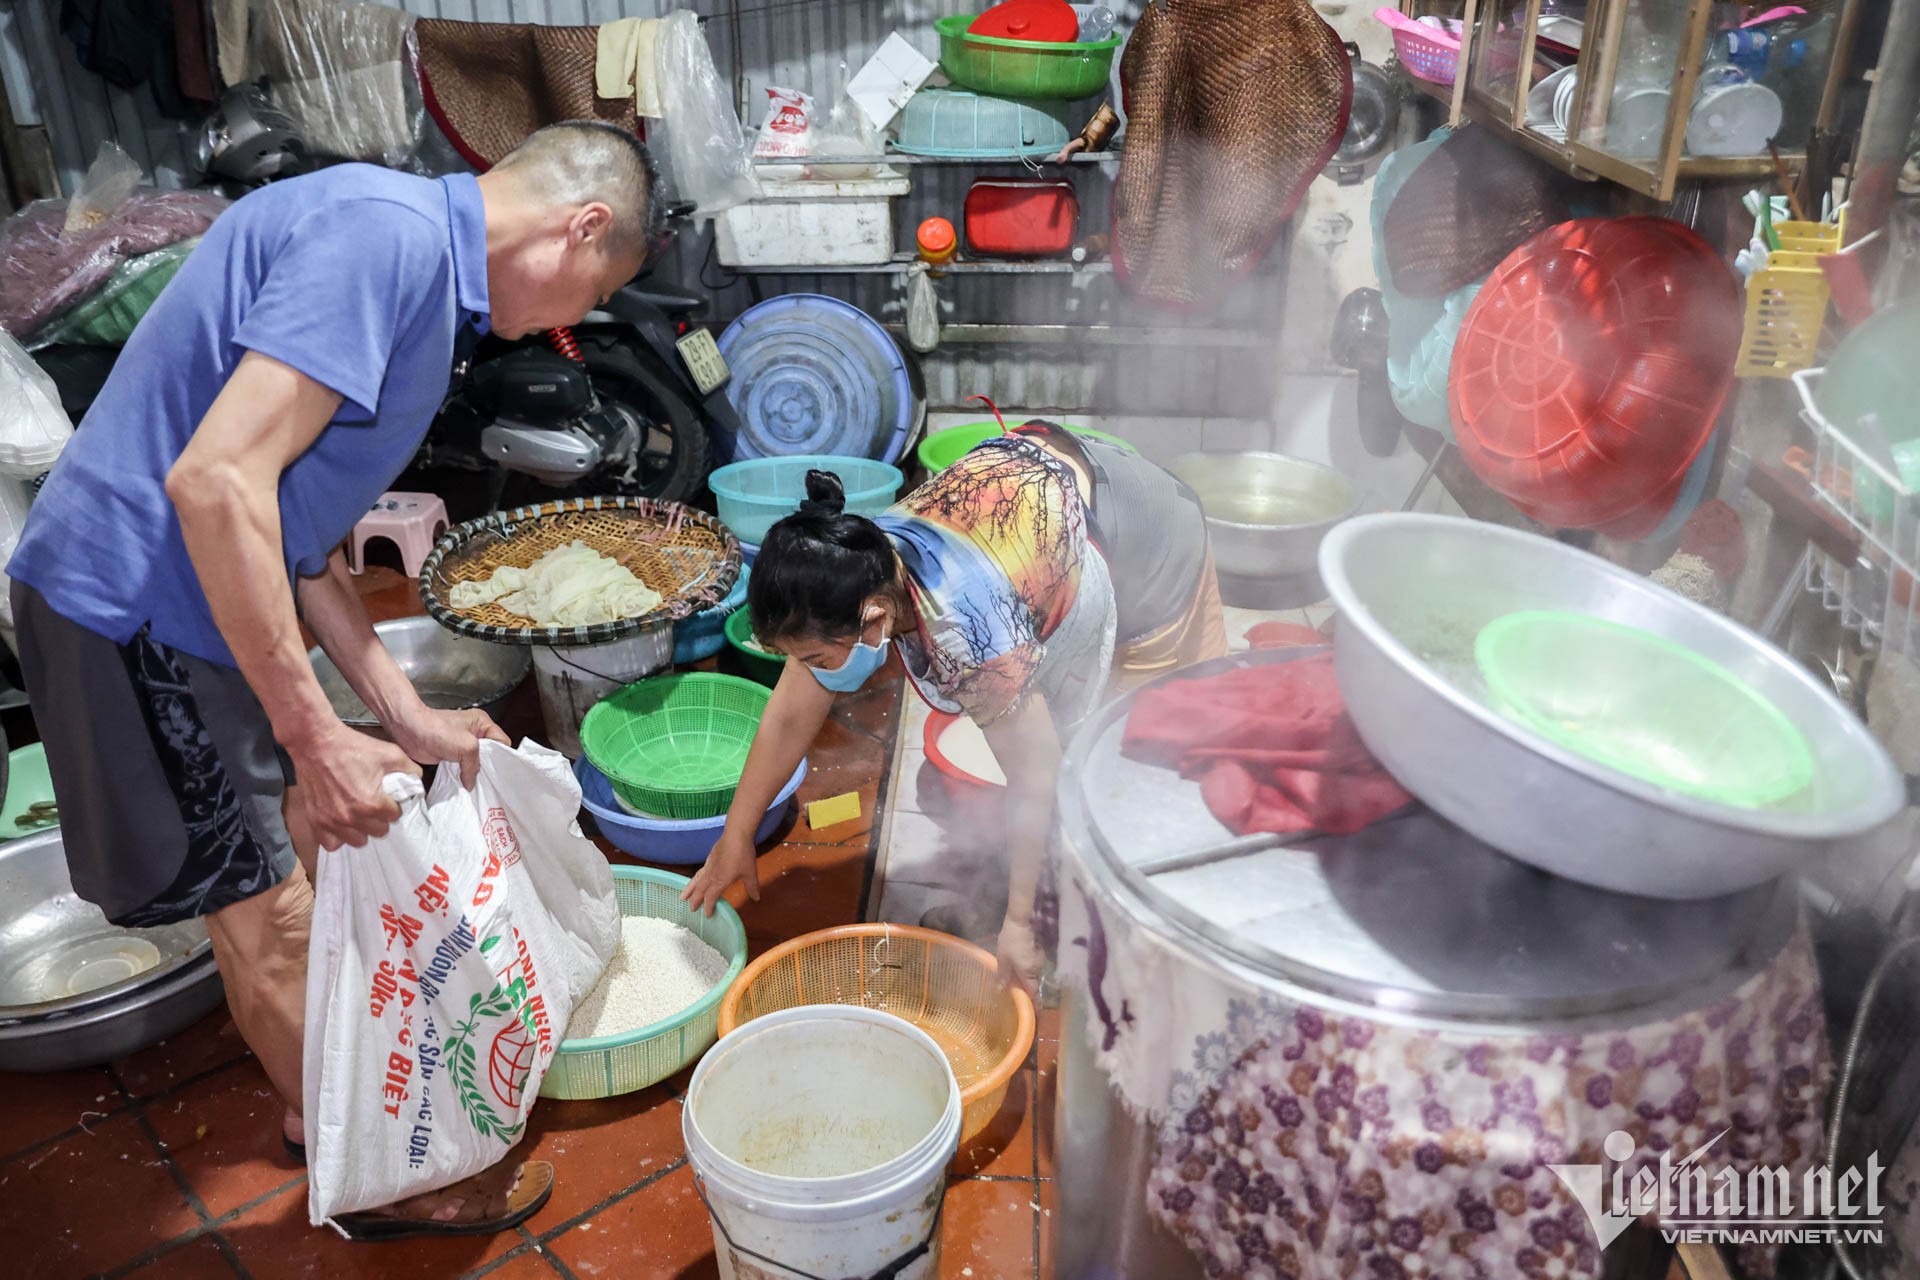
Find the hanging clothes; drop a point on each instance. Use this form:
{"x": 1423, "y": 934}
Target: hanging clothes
{"x": 128, "y": 43}
{"x": 193, "y": 52}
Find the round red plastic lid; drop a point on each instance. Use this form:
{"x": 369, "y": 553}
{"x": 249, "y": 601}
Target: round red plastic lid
{"x": 936, "y": 235}
{"x": 1053, "y": 21}
{"x": 1591, "y": 368}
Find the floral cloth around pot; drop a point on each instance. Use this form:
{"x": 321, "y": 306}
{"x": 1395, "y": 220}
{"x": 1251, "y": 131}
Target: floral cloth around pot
{"x": 1310, "y": 1143}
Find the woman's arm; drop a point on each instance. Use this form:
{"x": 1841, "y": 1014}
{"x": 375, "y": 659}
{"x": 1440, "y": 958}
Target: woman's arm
{"x": 794, "y": 714}
{"x": 1027, "y": 745}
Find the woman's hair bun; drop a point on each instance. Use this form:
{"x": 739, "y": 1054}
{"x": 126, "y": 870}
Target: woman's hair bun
{"x": 826, "y": 496}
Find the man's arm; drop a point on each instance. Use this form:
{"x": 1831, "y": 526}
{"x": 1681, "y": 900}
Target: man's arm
{"x": 225, "y": 487}
{"x": 331, "y": 607}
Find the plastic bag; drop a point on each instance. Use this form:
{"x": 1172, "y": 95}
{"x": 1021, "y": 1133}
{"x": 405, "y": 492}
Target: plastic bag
{"x": 33, "y": 426}
{"x": 108, "y": 317}
{"x": 340, "y": 72}
{"x": 109, "y": 180}
{"x": 43, "y": 272}
{"x": 447, "y": 958}
{"x": 699, "y": 142}
{"x": 787, "y": 132}
{"x": 16, "y": 497}
{"x": 923, "y": 310}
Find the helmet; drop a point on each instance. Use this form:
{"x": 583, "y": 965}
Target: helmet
{"x": 249, "y": 140}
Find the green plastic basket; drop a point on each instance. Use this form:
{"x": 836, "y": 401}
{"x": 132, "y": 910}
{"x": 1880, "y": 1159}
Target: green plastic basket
{"x": 759, "y": 665}
{"x": 941, "y": 449}
{"x": 673, "y": 746}
{"x": 1023, "y": 68}
{"x": 603, "y": 1066}
{"x": 1642, "y": 704}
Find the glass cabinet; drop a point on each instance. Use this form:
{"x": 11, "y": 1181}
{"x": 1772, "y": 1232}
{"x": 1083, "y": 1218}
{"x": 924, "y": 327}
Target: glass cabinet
{"x": 1646, "y": 92}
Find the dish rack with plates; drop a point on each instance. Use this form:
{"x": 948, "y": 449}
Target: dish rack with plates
{"x": 1878, "y": 595}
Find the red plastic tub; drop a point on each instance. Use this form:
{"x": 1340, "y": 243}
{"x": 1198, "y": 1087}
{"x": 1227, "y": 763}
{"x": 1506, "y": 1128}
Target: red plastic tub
{"x": 1591, "y": 369}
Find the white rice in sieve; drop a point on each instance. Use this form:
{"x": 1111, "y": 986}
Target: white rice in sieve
{"x": 658, "y": 970}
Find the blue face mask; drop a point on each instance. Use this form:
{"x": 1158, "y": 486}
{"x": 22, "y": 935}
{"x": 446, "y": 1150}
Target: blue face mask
{"x": 862, "y": 661}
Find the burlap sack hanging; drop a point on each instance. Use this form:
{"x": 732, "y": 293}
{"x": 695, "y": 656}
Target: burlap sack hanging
{"x": 1232, "y": 107}
{"x": 490, "y": 84}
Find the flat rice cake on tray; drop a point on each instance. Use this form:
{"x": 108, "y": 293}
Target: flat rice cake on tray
{"x": 687, "y": 556}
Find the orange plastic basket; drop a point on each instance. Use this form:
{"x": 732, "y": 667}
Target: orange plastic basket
{"x": 949, "y": 988}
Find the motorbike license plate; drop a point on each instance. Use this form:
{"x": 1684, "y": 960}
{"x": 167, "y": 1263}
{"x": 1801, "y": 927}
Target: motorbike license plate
{"x": 705, "y": 364}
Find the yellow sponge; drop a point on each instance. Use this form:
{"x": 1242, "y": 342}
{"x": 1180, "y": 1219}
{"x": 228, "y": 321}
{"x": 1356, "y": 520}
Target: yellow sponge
{"x": 833, "y": 811}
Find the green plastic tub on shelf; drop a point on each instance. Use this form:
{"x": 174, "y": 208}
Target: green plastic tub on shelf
{"x": 1023, "y": 68}
{"x": 607, "y": 1065}
{"x": 941, "y": 449}
{"x": 1643, "y": 704}
{"x": 673, "y": 746}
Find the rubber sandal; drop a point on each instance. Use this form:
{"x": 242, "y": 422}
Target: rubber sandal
{"x": 525, "y": 1200}
{"x": 296, "y": 1151}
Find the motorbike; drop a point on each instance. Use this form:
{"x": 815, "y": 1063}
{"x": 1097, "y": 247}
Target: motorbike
{"x": 626, "y": 402}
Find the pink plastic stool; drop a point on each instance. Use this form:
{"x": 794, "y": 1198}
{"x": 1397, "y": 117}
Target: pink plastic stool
{"x": 410, "y": 521}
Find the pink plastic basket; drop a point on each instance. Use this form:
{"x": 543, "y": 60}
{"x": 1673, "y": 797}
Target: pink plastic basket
{"x": 1428, "y": 51}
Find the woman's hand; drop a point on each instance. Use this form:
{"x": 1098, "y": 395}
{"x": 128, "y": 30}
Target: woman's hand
{"x": 732, "y": 859}
{"x": 447, "y": 737}
{"x": 1021, "y": 958}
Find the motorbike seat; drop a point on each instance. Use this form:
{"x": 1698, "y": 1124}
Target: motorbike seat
{"x": 674, "y": 304}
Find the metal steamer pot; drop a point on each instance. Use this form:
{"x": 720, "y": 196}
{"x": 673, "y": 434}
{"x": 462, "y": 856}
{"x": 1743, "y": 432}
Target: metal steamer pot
{"x": 1412, "y": 921}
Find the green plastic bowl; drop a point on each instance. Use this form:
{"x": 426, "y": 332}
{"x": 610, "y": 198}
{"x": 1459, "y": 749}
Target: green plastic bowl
{"x": 602, "y": 1066}
{"x": 1023, "y": 68}
{"x": 756, "y": 662}
{"x": 673, "y": 746}
{"x": 1640, "y": 703}
{"x": 941, "y": 449}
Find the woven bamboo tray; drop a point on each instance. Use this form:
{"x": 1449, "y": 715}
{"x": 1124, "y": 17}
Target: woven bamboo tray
{"x": 687, "y": 556}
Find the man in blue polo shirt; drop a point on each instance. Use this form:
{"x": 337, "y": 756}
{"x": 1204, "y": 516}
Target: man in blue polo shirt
{"x": 277, "y": 387}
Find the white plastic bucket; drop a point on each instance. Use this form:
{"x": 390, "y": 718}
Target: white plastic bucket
{"x": 573, "y": 678}
{"x": 820, "y": 1137}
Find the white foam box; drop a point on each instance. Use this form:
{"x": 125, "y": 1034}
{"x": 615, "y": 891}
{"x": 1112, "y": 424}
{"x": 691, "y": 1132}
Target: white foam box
{"x": 804, "y": 222}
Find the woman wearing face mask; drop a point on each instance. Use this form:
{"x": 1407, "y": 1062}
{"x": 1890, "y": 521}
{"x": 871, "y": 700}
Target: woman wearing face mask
{"x": 988, "y": 581}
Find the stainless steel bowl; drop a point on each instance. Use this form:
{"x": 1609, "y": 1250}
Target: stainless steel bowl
{"x": 451, "y": 672}
{"x": 1266, "y": 512}
{"x": 1413, "y": 592}
{"x": 75, "y": 990}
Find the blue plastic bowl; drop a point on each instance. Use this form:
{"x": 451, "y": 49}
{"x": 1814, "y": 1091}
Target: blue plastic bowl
{"x": 673, "y": 841}
{"x": 705, "y": 633}
{"x": 813, "y": 374}
{"x": 758, "y": 493}
{"x": 749, "y": 552}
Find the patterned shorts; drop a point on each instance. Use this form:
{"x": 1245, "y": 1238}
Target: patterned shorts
{"x": 164, "y": 766}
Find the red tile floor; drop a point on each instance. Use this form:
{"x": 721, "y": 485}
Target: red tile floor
{"x": 167, "y": 1165}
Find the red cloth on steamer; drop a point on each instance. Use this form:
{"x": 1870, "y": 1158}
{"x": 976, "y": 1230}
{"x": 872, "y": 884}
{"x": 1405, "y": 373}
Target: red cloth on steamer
{"x": 1272, "y": 748}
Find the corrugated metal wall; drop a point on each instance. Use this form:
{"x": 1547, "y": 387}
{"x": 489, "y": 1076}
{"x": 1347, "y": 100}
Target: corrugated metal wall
{"x": 815, "y": 45}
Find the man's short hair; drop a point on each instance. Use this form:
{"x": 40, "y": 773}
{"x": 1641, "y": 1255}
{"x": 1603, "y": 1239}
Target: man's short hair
{"x": 578, "y": 161}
